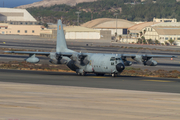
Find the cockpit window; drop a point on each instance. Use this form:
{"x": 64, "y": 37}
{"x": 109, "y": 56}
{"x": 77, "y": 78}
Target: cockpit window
{"x": 112, "y": 59}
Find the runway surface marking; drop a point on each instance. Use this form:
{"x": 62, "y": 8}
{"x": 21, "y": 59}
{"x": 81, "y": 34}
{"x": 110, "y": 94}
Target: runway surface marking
{"x": 157, "y": 80}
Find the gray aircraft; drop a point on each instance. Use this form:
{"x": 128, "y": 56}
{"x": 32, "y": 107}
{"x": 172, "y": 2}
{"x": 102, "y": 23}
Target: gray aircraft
{"x": 82, "y": 63}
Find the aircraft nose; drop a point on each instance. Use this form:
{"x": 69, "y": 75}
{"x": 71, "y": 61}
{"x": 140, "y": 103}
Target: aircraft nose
{"x": 120, "y": 67}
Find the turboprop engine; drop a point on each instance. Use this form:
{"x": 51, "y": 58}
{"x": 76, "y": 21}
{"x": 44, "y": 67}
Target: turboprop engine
{"x": 150, "y": 62}
{"x": 56, "y": 59}
{"x": 79, "y": 59}
{"x": 32, "y": 59}
{"x": 127, "y": 63}
{"x": 145, "y": 60}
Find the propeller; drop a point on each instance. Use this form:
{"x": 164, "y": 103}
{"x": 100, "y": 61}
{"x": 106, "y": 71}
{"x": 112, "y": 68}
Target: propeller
{"x": 141, "y": 56}
{"x": 53, "y": 54}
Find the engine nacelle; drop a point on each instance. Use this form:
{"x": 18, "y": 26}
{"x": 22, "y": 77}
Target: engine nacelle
{"x": 138, "y": 58}
{"x": 150, "y": 63}
{"x": 127, "y": 63}
{"x": 60, "y": 61}
{"x": 32, "y": 59}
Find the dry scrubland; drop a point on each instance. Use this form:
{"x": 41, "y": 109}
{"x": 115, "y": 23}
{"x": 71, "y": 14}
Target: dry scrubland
{"x": 129, "y": 71}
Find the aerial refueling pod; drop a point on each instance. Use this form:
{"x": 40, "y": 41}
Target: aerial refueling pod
{"x": 32, "y": 59}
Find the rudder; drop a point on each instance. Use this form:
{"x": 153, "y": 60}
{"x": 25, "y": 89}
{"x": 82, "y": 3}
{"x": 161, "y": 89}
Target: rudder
{"x": 61, "y": 45}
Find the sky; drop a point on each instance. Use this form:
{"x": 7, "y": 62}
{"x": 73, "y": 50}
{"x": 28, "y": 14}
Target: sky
{"x": 15, "y": 3}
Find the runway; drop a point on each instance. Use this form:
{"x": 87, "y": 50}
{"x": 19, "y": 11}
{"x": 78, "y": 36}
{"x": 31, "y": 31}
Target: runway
{"x": 40, "y": 95}
{"x": 36, "y": 95}
{"x": 92, "y": 81}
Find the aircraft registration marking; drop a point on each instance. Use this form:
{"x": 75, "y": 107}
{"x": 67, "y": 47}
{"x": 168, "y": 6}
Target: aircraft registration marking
{"x": 157, "y": 80}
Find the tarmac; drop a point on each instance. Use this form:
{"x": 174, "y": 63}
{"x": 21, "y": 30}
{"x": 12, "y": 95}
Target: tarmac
{"x": 48, "y": 102}
{"x": 38, "y": 95}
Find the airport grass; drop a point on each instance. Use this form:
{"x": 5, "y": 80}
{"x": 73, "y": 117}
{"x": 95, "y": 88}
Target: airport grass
{"x": 129, "y": 71}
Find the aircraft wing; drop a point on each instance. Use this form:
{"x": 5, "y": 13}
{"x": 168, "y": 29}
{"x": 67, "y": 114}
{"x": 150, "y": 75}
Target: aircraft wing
{"x": 28, "y": 52}
{"x": 149, "y": 55}
{"x": 68, "y": 54}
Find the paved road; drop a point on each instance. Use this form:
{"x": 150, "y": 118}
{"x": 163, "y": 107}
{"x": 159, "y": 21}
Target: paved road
{"x": 71, "y": 79}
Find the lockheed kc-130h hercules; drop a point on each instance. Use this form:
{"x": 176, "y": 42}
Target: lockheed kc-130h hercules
{"x": 82, "y": 63}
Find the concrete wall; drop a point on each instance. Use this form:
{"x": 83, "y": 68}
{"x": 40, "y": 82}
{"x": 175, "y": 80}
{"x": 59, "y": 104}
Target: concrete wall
{"x": 82, "y": 35}
{"x": 113, "y": 31}
{"x": 105, "y": 34}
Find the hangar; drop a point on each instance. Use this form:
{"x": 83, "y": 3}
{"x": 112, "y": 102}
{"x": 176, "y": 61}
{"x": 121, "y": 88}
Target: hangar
{"x": 138, "y": 30}
{"x": 16, "y": 16}
{"x": 110, "y": 24}
{"x": 78, "y": 32}
{"x": 163, "y": 32}
{"x": 18, "y": 21}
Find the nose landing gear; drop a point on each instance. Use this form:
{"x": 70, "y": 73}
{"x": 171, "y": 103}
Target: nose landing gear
{"x": 114, "y": 74}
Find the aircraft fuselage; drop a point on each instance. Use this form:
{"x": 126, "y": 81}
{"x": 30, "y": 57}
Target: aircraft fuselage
{"x": 98, "y": 63}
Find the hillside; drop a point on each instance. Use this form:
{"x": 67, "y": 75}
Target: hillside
{"x": 48, "y": 3}
{"x": 141, "y": 11}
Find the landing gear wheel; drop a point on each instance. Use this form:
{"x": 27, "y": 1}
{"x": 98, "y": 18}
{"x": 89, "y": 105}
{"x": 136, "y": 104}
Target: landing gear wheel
{"x": 114, "y": 75}
{"x": 83, "y": 74}
{"x": 97, "y": 74}
{"x": 101, "y": 74}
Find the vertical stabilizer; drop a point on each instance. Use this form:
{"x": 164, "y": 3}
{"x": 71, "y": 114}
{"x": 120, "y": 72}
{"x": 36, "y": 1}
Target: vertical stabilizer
{"x": 61, "y": 45}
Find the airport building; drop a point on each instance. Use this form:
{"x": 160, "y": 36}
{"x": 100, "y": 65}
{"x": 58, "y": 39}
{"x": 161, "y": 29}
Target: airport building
{"x": 9, "y": 29}
{"x": 138, "y": 30}
{"x": 164, "y": 32}
{"x": 78, "y": 32}
{"x": 110, "y": 24}
{"x": 18, "y": 21}
{"x": 164, "y": 20}
{"x": 16, "y": 16}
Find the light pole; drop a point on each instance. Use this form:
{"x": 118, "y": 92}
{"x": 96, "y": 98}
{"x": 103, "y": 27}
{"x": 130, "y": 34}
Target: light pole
{"x": 78, "y": 17}
{"x": 116, "y": 21}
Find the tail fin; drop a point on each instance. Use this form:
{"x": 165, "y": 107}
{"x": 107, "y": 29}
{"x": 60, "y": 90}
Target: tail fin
{"x": 61, "y": 45}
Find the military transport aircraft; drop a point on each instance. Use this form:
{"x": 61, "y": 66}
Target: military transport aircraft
{"x": 82, "y": 63}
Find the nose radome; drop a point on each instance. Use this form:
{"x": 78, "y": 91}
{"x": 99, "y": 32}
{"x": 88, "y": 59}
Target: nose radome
{"x": 120, "y": 67}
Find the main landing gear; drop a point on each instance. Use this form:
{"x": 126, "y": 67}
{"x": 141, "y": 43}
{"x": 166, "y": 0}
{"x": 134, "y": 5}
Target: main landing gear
{"x": 97, "y": 74}
{"x": 82, "y": 74}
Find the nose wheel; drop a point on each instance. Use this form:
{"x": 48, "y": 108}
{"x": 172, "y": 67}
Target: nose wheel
{"x": 114, "y": 74}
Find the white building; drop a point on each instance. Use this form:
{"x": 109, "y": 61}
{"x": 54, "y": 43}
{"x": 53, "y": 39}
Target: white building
{"x": 78, "y": 32}
{"x": 16, "y": 16}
